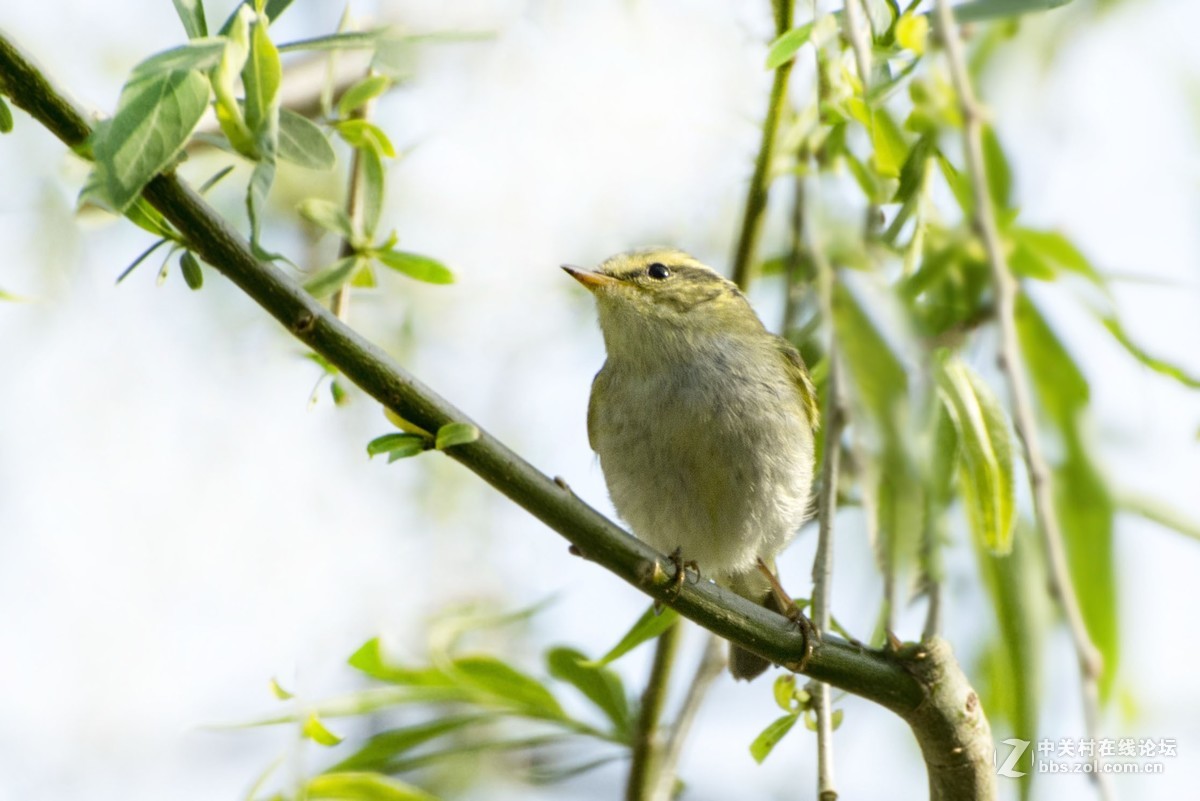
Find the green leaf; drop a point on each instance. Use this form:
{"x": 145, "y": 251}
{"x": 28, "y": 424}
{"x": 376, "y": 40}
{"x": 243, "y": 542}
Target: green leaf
{"x": 647, "y": 627}
{"x": 9, "y": 297}
{"x": 273, "y": 10}
{"x": 351, "y": 40}
{"x": 256, "y": 200}
{"x": 191, "y": 14}
{"x": 1028, "y": 262}
{"x": 505, "y": 683}
{"x": 599, "y": 685}
{"x": 959, "y": 183}
{"x": 338, "y": 393}
{"x": 302, "y": 142}
{"x": 1057, "y": 251}
{"x": 145, "y": 254}
{"x": 363, "y": 787}
{"x": 397, "y": 446}
{"x": 786, "y": 694}
{"x": 369, "y": 660}
{"x": 6, "y": 117}
{"x": 362, "y": 134}
{"x": 783, "y": 49}
{"x": 361, "y": 93}
{"x": 979, "y": 10}
{"x": 878, "y": 385}
{"x": 1061, "y": 386}
{"x": 765, "y": 742}
{"x": 1082, "y": 501}
{"x": 879, "y": 377}
{"x": 261, "y": 76}
{"x": 199, "y": 54}
{"x": 216, "y": 178}
{"x": 421, "y": 268}
{"x": 330, "y": 280}
{"x": 866, "y": 179}
{"x": 1016, "y": 588}
{"x": 887, "y": 139}
{"x": 155, "y": 116}
{"x": 224, "y": 79}
{"x": 453, "y": 434}
{"x": 371, "y": 164}
{"x": 1156, "y": 364}
{"x": 381, "y": 750}
{"x": 315, "y": 730}
{"x": 1157, "y": 511}
{"x": 912, "y": 173}
{"x": 328, "y": 215}
{"x": 150, "y": 219}
{"x": 278, "y": 691}
{"x": 912, "y": 32}
{"x": 1086, "y": 511}
{"x": 193, "y": 276}
{"x": 985, "y": 446}
{"x": 999, "y": 174}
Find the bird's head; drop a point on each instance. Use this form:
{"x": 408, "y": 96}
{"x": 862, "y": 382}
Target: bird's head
{"x": 662, "y": 294}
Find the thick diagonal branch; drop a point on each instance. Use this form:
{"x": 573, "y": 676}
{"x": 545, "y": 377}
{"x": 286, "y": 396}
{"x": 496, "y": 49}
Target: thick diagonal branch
{"x": 925, "y": 687}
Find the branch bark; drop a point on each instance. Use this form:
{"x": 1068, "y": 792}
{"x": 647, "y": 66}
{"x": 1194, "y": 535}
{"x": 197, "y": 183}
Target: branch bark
{"x": 924, "y": 685}
{"x": 647, "y": 764}
{"x": 760, "y": 181}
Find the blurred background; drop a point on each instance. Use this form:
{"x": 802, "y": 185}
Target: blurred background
{"x": 179, "y": 524}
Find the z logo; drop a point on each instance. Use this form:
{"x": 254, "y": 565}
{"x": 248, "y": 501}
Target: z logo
{"x": 1008, "y": 769}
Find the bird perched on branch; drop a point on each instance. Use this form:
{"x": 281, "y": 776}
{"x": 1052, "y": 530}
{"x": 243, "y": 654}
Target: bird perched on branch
{"x": 703, "y": 421}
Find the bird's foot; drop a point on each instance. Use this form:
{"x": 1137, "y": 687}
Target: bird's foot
{"x": 682, "y": 567}
{"x": 788, "y": 608}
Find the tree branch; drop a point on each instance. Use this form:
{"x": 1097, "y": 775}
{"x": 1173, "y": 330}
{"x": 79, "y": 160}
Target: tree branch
{"x": 760, "y": 181}
{"x": 925, "y": 686}
{"x": 822, "y": 570}
{"x": 645, "y": 769}
{"x": 1006, "y": 288}
{"x": 712, "y": 662}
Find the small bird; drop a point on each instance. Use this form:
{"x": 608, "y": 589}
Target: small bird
{"x": 703, "y": 421}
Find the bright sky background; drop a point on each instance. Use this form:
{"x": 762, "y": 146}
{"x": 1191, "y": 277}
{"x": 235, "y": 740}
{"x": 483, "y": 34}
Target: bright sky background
{"x": 177, "y": 526}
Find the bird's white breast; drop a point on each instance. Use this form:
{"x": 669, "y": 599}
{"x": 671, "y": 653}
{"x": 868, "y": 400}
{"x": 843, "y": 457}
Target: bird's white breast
{"x": 713, "y": 457}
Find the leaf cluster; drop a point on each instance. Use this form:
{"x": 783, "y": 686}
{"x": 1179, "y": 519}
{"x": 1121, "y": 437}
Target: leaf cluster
{"x": 463, "y": 705}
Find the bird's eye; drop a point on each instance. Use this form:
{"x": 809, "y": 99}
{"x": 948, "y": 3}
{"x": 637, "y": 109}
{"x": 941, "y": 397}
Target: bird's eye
{"x": 658, "y": 271}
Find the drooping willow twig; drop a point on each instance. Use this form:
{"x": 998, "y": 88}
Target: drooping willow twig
{"x": 983, "y": 218}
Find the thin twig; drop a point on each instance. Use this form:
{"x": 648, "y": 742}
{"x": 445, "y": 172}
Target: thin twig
{"x": 340, "y": 305}
{"x": 857, "y": 29}
{"x": 756, "y": 195}
{"x": 854, "y": 25}
{"x": 648, "y": 743}
{"x": 931, "y": 558}
{"x": 1006, "y": 288}
{"x": 822, "y": 570}
{"x": 712, "y": 663}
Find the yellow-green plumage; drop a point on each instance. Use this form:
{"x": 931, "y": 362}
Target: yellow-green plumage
{"x": 703, "y": 420}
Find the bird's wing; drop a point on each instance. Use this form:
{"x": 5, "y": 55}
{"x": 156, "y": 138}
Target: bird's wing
{"x": 598, "y": 384}
{"x": 793, "y": 362}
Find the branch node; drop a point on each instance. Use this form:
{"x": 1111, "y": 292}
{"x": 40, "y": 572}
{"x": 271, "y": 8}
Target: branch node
{"x": 304, "y": 324}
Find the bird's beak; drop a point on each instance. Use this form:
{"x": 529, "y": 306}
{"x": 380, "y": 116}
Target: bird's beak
{"x": 591, "y": 280}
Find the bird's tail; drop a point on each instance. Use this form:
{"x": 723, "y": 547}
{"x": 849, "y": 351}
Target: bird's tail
{"x": 753, "y": 586}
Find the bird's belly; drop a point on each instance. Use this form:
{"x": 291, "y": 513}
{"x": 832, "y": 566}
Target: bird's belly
{"x": 706, "y": 467}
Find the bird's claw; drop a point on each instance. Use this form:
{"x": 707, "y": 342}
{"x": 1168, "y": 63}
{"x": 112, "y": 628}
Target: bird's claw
{"x": 682, "y": 567}
{"x": 792, "y": 612}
